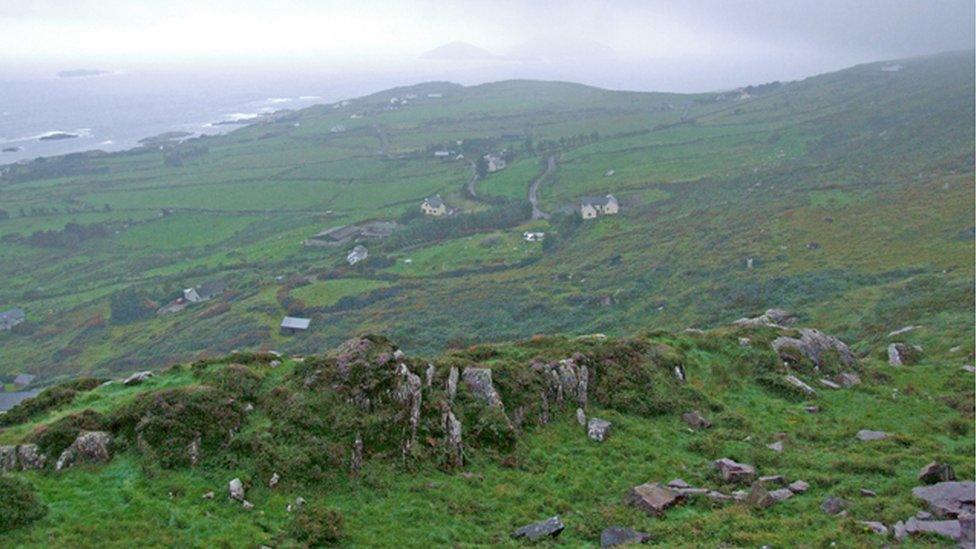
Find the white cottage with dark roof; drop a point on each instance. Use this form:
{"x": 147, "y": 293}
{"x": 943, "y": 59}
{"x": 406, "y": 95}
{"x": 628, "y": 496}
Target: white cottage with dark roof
{"x": 595, "y": 206}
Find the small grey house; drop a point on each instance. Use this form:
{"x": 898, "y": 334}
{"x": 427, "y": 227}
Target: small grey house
{"x": 23, "y": 380}
{"x": 594, "y": 206}
{"x": 11, "y": 318}
{"x": 290, "y": 325}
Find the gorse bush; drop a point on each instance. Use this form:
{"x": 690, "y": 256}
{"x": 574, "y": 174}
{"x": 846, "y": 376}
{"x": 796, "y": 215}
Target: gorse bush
{"x": 19, "y": 504}
{"x": 315, "y": 526}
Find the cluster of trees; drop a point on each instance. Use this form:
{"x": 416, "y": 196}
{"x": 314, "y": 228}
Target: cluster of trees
{"x": 422, "y": 231}
{"x": 59, "y": 166}
{"x": 72, "y": 235}
{"x": 131, "y": 305}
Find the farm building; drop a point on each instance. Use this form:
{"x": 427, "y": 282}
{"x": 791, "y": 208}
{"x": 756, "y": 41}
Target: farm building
{"x": 433, "y": 205}
{"x": 531, "y": 236}
{"x": 11, "y": 318}
{"x": 594, "y": 206}
{"x": 204, "y": 292}
{"x": 357, "y": 254}
{"x": 336, "y": 236}
{"x": 290, "y": 325}
{"x": 377, "y": 229}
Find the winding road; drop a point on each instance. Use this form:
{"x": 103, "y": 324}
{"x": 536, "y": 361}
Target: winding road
{"x": 534, "y": 189}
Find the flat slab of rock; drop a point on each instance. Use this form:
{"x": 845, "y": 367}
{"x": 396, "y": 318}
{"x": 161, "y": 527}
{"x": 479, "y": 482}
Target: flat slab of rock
{"x": 781, "y": 494}
{"x": 867, "y": 435}
{"x": 829, "y": 384}
{"x": 876, "y": 527}
{"x": 549, "y": 528}
{"x": 948, "y": 499}
{"x": 695, "y": 420}
{"x": 951, "y": 529}
{"x": 798, "y": 487}
{"x": 653, "y": 498}
{"x": 598, "y": 429}
{"x": 735, "y": 472}
{"x": 799, "y": 384}
{"x": 619, "y": 535}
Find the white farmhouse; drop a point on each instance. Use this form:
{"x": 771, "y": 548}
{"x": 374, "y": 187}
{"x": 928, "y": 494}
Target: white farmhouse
{"x": 595, "y": 206}
{"x": 433, "y": 205}
{"x": 357, "y": 254}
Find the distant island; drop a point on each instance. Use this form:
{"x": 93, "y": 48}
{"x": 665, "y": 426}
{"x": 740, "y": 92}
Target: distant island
{"x": 11, "y": 149}
{"x": 57, "y": 136}
{"x": 81, "y": 73}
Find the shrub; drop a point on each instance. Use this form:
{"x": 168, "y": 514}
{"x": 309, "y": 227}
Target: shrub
{"x": 167, "y": 422}
{"x": 314, "y": 526}
{"x": 53, "y": 438}
{"x": 19, "y": 504}
{"x": 236, "y": 380}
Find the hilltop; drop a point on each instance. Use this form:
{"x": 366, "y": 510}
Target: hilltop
{"x": 846, "y": 197}
{"x": 761, "y": 432}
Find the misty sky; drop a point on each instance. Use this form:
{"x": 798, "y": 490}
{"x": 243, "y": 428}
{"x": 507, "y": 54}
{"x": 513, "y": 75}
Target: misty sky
{"x": 758, "y": 40}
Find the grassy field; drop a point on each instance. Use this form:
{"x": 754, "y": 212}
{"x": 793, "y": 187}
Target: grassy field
{"x": 850, "y": 192}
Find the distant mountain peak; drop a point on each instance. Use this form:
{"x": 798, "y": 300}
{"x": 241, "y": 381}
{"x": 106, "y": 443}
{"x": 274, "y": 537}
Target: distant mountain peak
{"x": 458, "y": 51}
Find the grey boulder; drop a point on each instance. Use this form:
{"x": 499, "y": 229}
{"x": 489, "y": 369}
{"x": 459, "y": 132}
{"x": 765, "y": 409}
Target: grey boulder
{"x": 598, "y": 429}
{"x": 89, "y": 447}
{"x": 696, "y": 420}
{"x": 546, "y": 529}
{"x": 732, "y": 471}
{"x": 936, "y": 472}
{"x": 815, "y": 346}
{"x": 653, "y": 498}
{"x": 948, "y": 499}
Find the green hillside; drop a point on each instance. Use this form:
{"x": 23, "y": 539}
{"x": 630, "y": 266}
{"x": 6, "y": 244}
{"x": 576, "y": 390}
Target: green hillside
{"x": 850, "y": 192}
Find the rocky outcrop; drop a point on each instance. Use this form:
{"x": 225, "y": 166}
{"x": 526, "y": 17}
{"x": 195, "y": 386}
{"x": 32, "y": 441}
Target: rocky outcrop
{"x": 772, "y": 317}
{"x": 89, "y": 447}
{"x": 734, "y": 472}
{"x": 598, "y": 429}
{"x": 137, "y": 378}
{"x": 451, "y": 386}
{"x": 30, "y": 457}
{"x": 949, "y": 499}
{"x": 538, "y": 530}
{"x": 950, "y": 529}
{"x": 479, "y": 383}
{"x": 815, "y": 346}
{"x": 936, "y": 472}
{"x": 653, "y": 498}
{"x": 619, "y": 535}
{"x": 903, "y": 354}
{"x": 409, "y": 395}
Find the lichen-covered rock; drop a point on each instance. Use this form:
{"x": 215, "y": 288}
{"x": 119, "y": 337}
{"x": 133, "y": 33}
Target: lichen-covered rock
{"x": 815, "y": 346}
{"x": 546, "y": 529}
{"x": 137, "y": 378}
{"x": 89, "y": 447}
{"x": 235, "y": 489}
{"x": 30, "y": 457}
{"x": 452, "y": 440}
{"x": 479, "y": 383}
{"x": 8, "y": 458}
{"x": 903, "y": 354}
{"x": 598, "y": 429}
{"x": 409, "y": 395}
{"x": 735, "y": 472}
{"x": 653, "y": 498}
{"x": 452, "y": 381}
{"x": 581, "y": 417}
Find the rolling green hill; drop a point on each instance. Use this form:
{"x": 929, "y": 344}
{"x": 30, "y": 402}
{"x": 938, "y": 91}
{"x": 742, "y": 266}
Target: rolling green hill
{"x": 850, "y": 195}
